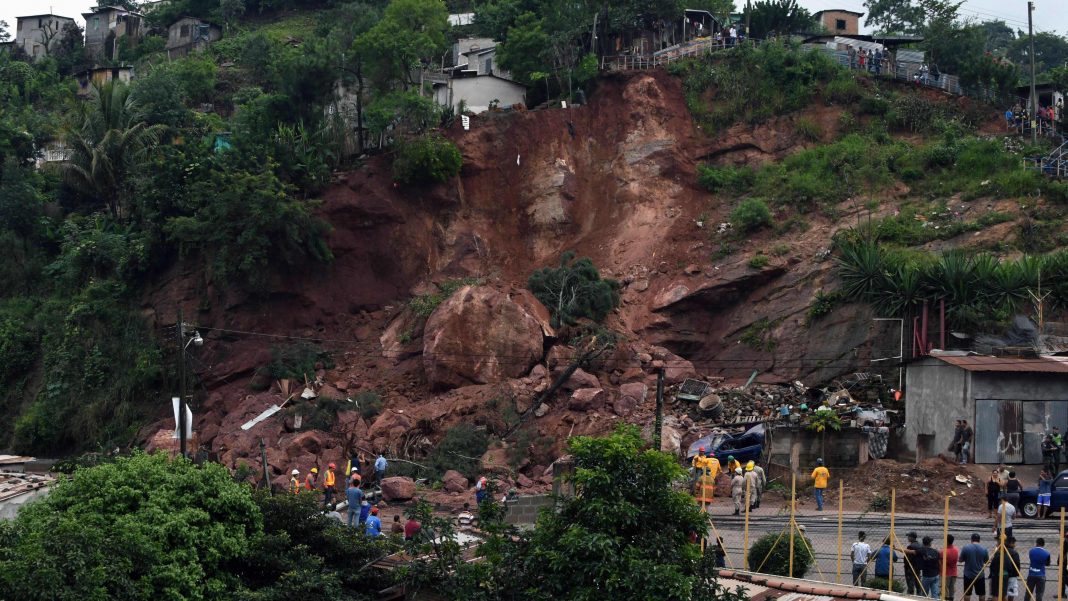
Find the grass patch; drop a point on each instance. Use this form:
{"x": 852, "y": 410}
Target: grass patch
{"x": 758, "y": 335}
{"x": 424, "y": 304}
{"x": 759, "y": 261}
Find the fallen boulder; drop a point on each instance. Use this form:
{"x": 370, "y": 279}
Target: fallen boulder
{"x": 586, "y": 399}
{"x": 483, "y": 335}
{"x": 398, "y": 488}
{"x": 454, "y": 481}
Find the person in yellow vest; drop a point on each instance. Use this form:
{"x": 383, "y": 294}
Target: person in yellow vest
{"x": 311, "y": 480}
{"x": 820, "y": 476}
{"x": 329, "y": 484}
{"x": 698, "y": 465}
{"x": 294, "y": 482}
{"x": 732, "y": 464}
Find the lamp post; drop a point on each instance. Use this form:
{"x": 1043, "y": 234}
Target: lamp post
{"x": 183, "y": 344}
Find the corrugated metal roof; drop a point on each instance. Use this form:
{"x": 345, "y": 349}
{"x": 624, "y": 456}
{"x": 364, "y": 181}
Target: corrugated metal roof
{"x": 1043, "y": 364}
{"x": 15, "y": 485}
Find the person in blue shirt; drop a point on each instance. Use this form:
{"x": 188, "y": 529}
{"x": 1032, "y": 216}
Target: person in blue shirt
{"x": 365, "y": 510}
{"x": 373, "y": 527}
{"x": 380, "y": 468}
{"x": 355, "y": 499}
{"x": 883, "y": 558}
{"x": 974, "y": 556}
{"x": 1009, "y": 119}
{"x": 1036, "y": 574}
{"x": 1045, "y": 491}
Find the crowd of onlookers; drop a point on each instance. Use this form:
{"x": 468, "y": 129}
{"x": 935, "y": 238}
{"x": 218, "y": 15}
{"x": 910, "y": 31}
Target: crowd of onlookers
{"x": 1047, "y": 119}
{"x": 873, "y": 61}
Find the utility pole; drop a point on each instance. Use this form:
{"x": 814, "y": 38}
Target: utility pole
{"x": 263, "y": 459}
{"x": 658, "y": 425}
{"x": 748, "y": 12}
{"x": 181, "y": 385}
{"x": 1034, "y": 97}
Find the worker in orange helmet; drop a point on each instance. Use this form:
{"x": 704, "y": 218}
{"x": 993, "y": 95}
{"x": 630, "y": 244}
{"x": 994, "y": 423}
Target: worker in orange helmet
{"x": 329, "y": 484}
{"x": 312, "y": 479}
{"x": 294, "y": 482}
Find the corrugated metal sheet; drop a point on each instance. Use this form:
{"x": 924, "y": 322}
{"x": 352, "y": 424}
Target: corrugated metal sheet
{"x": 1044, "y": 364}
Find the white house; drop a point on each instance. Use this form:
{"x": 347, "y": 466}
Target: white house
{"x": 38, "y": 34}
{"x": 475, "y": 80}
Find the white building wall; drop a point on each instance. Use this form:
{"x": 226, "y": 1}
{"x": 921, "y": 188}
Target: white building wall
{"x": 479, "y": 92}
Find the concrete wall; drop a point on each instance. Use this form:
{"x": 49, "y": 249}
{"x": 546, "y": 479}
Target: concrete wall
{"x": 798, "y": 448}
{"x": 30, "y": 33}
{"x": 466, "y": 44}
{"x": 936, "y": 394}
{"x": 478, "y": 92}
{"x": 525, "y": 510}
{"x": 830, "y": 18}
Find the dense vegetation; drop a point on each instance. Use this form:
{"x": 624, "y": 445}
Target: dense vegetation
{"x": 574, "y": 290}
{"x": 145, "y": 527}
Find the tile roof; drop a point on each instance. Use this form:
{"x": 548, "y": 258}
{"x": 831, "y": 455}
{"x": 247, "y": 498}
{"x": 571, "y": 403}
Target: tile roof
{"x": 765, "y": 587}
{"x": 15, "y": 485}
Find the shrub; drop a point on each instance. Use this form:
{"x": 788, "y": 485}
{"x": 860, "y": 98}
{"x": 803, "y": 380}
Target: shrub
{"x": 297, "y": 361}
{"x": 461, "y": 449}
{"x": 369, "y": 404}
{"x": 426, "y": 159}
{"x": 424, "y": 304}
{"x": 843, "y": 89}
{"x": 751, "y": 215}
{"x": 724, "y": 179}
{"x": 574, "y": 290}
{"x": 821, "y": 306}
{"x": 758, "y": 335}
{"x": 759, "y": 261}
{"x": 767, "y": 557}
{"x": 808, "y": 129}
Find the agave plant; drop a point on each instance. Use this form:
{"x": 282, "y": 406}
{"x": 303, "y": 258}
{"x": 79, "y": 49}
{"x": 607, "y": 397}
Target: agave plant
{"x": 1007, "y": 286}
{"x": 862, "y": 267}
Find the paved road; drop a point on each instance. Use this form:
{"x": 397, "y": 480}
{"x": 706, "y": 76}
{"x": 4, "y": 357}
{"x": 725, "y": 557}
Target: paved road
{"x": 822, "y": 529}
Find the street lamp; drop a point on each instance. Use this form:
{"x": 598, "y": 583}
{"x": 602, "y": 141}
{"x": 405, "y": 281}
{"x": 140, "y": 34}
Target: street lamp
{"x": 185, "y": 338}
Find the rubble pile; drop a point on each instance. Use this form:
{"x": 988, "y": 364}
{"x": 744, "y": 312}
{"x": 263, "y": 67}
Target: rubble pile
{"x": 920, "y": 486}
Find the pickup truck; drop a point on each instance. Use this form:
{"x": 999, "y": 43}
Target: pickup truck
{"x": 1058, "y": 497}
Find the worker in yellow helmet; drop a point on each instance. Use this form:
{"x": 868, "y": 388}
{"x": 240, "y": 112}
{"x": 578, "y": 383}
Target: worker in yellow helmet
{"x": 294, "y": 482}
{"x": 329, "y": 484}
{"x": 311, "y": 479}
{"x": 761, "y": 481}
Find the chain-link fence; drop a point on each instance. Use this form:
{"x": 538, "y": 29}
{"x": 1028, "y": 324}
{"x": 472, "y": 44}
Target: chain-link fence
{"x": 901, "y": 549}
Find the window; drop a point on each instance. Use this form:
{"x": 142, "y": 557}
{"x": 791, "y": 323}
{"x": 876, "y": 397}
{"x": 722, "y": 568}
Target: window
{"x": 839, "y": 24}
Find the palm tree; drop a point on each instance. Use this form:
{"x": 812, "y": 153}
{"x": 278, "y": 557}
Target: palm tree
{"x": 109, "y": 139}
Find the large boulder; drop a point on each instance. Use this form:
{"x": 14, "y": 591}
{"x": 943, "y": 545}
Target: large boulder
{"x": 586, "y": 399}
{"x": 454, "y": 481}
{"x": 630, "y": 397}
{"x": 483, "y": 335}
{"x": 579, "y": 379}
{"x": 398, "y": 488}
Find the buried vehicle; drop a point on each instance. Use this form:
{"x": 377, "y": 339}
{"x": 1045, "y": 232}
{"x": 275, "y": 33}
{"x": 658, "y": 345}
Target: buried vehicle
{"x": 721, "y": 445}
{"x": 1058, "y": 496}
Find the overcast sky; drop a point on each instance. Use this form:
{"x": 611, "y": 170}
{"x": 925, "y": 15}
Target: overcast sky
{"x": 1050, "y": 15}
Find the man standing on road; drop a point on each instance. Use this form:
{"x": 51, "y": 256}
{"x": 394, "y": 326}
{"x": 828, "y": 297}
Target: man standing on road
{"x": 820, "y": 476}
{"x": 930, "y": 568}
{"x": 355, "y": 498}
{"x": 949, "y": 573}
{"x": 1036, "y": 573}
{"x": 737, "y": 490}
{"x": 966, "y": 434}
{"x": 912, "y": 565}
{"x": 883, "y": 558}
{"x": 1003, "y": 569}
{"x": 1004, "y": 515}
{"x": 974, "y": 557}
{"x": 762, "y": 481}
{"x": 859, "y": 553}
{"x": 380, "y": 469}
{"x": 752, "y": 485}
{"x": 1049, "y": 454}
{"x": 1045, "y": 493}
{"x": 958, "y": 431}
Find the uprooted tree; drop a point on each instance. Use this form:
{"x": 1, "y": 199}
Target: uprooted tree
{"x": 574, "y": 290}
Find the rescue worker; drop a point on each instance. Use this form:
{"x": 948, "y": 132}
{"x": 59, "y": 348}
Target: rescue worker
{"x": 762, "y": 481}
{"x": 356, "y": 478}
{"x": 294, "y": 482}
{"x": 698, "y": 464}
{"x": 312, "y": 479}
{"x": 732, "y": 464}
{"x": 329, "y": 484}
{"x": 752, "y": 485}
{"x": 738, "y": 490}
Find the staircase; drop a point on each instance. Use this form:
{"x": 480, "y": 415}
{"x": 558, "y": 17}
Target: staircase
{"x": 1054, "y": 164}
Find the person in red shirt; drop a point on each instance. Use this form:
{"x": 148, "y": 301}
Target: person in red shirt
{"x": 411, "y": 529}
{"x": 950, "y": 555}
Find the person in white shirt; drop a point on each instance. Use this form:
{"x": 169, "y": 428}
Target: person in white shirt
{"x": 859, "y": 553}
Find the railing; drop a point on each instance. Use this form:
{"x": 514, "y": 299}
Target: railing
{"x": 1055, "y": 164}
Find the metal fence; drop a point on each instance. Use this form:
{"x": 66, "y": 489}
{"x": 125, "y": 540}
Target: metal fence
{"x": 827, "y": 537}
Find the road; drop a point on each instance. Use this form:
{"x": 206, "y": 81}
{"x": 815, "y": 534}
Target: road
{"x": 822, "y": 529}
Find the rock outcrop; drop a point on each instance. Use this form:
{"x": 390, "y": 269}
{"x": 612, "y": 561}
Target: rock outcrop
{"x": 398, "y": 488}
{"x": 483, "y": 335}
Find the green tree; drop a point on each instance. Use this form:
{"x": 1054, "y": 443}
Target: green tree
{"x": 895, "y": 16}
{"x": 772, "y": 18}
{"x": 997, "y": 36}
{"x": 625, "y": 519}
{"x": 410, "y": 36}
{"x": 109, "y": 140}
{"x": 574, "y": 290}
{"x": 526, "y": 51}
{"x": 426, "y": 159}
{"x": 138, "y": 528}
{"x": 248, "y": 223}
{"x": 1051, "y": 51}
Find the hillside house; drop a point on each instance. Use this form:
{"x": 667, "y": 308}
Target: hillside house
{"x": 105, "y": 26}
{"x": 839, "y": 21}
{"x": 99, "y": 76}
{"x": 1009, "y": 401}
{"x": 1048, "y": 94}
{"x": 475, "y": 79}
{"x": 189, "y": 34}
{"x": 36, "y": 35}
